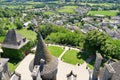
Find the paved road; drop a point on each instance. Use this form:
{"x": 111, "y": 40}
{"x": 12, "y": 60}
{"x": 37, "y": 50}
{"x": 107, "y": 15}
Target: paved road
{"x": 65, "y": 68}
{"x": 23, "y": 67}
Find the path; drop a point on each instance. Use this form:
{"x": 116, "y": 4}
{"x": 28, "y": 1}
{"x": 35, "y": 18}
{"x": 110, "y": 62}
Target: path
{"x": 66, "y": 48}
{"x": 23, "y": 68}
{"x": 65, "y": 68}
{"x": 63, "y": 46}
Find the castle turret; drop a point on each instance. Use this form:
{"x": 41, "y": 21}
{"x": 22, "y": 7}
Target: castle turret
{"x": 49, "y": 67}
{"x": 97, "y": 66}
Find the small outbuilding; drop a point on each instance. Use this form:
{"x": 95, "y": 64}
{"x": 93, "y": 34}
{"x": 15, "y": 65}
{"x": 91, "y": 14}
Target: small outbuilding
{"x": 13, "y": 44}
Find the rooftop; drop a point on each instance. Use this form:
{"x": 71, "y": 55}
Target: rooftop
{"x": 14, "y": 40}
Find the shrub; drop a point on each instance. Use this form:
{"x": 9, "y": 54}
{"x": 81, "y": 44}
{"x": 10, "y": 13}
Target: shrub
{"x": 13, "y": 53}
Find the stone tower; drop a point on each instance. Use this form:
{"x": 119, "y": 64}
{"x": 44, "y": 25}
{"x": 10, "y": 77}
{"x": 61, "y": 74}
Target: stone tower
{"x": 108, "y": 72}
{"x": 97, "y": 66}
{"x": 4, "y": 72}
{"x": 49, "y": 69}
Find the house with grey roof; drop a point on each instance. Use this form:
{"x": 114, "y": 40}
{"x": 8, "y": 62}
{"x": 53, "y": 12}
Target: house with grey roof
{"x": 12, "y": 45}
{"x": 14, "y": 40}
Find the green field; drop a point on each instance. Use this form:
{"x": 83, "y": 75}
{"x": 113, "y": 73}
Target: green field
{"x": 12, "y": 66}
{"x": 56, "y": 51}
{"x": 104, "y": 13}
{"x": 28, "y": 34}
{"x": 71, "y": 57}
{"x": 99, "y": 4}
{"x": 32, "y": 3}
{"x": 67, "y": 9}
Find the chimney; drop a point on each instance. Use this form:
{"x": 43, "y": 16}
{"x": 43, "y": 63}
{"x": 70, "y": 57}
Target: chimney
{"x": 108, "y": 72}
{"x": 97, "y": 66}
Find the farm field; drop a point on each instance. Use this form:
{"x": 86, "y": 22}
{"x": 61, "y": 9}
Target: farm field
{"x": 99, "y": 4}
{"x": 67, "y": 9}
{"x": 104, "y": 13}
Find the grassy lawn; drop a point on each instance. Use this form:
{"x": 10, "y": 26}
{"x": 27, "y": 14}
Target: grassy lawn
{"x": 67, "y": 9}
{"x": 28, "y": 34}
{"x": 1, "y": 39}
{"x": 91, "y": 64}
{"x": 12, "y": 66}
{"x": 74, "y": 57}
{"x": 105, "y": 13}
{"x": 56, "y": 51}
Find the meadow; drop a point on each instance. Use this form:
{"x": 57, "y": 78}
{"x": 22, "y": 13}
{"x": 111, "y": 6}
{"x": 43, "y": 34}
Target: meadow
{"x": 67, "y": 9}
{"x": 104, "y": 13}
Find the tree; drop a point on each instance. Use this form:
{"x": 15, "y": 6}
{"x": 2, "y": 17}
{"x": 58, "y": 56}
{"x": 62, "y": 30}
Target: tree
{"x": 47, "y": 29}
{"x": 94, "y": 40}
{"x": 19, "y": 25}
{"x": 1, "y": 31}
{"x": 99, "y": 41}
{"x": 68, "y": 38}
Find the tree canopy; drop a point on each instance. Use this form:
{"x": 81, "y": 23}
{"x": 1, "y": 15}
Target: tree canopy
{"x": 99, "y": 41}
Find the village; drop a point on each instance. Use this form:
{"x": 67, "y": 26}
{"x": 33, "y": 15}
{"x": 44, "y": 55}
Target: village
{"x": 59, "y": 40}
{"x": 79, "y": 20}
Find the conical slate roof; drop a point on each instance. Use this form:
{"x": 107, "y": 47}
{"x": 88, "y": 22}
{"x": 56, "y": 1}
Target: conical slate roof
{"x": 42, "y": 52}
{"x": 14, "y": 40}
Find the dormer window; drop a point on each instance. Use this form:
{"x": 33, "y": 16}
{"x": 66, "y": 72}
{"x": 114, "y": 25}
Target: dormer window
{"x": 19, "y": 43}
{"x": 24, "y": 39}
